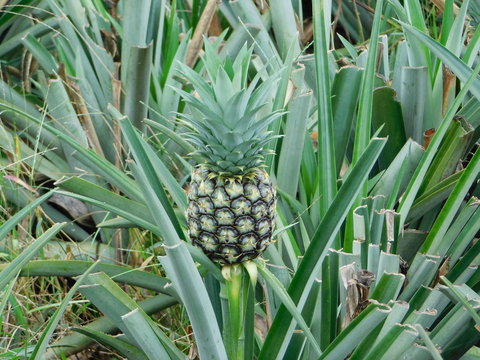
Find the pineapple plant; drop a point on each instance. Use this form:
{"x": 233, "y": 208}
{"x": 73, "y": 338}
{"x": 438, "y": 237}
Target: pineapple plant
{"x": 231, "y": 197}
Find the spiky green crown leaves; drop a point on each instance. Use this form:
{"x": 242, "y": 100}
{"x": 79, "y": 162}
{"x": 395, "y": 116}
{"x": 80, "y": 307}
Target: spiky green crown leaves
{"x": 226, "y": 124}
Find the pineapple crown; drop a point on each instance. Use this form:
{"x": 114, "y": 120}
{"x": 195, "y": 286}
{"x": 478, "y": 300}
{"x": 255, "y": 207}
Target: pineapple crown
{"x": 226, "y": 124}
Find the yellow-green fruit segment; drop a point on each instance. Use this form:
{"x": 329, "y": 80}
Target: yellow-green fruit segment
{"x": 231, "y": 218}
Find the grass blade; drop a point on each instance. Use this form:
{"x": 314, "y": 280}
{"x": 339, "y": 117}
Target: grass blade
{"x": 40, "y": 347}
{"x": 89, "y": 157}
{"x": 13, "y": 268}
{"x": 8, "y": 225}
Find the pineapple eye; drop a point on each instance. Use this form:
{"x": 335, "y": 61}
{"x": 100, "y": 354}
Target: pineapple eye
{"x": 208, "y": 223}
{"x": 252, "y": 192}
{"x": 208, "y": 241}
{"x": 220, "y": 198}
{"x": 225, "y": 216}
{"x": 263, "y": 227}
{"x": 205, "y": 188}
{"x": 205, "y": 205}
{"x": 234, "y": 189}
{"x": 266, "y": 192}
{"x": 259, "y": 209}
{"x": 241, "y": 206}
{"x": 192, "y": 193}
{"x": 194, "y": 228}
{"x": 193, "y": 209}
{"x": 245, "y": 224}
{"x": 248, "y": 242}
{"x": 264, "y": 242}
{"x": 227, "y": 234}
{"x": 230, "y": 253}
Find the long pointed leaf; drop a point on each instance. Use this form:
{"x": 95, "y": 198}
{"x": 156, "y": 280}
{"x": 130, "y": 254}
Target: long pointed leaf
{"x": 279, "y": 334}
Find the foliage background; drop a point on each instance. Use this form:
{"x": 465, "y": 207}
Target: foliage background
{"x": 376, "y": 253}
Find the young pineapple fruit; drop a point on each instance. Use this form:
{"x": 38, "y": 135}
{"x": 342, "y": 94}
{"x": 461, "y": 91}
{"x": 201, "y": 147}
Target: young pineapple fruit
{"x": 231, "y": 197}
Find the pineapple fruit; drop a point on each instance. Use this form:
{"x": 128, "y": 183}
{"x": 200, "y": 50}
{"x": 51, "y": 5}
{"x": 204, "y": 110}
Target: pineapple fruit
{"x": 231, "y": 197}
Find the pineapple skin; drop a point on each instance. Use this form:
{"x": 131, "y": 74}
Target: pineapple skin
{"x": 231, "y": 218}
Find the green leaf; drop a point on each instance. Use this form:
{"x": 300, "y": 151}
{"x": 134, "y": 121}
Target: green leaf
{"x": 434, "y": 352}
{"x": 40, "y": 347}
{"x": 329, "y": 309}
{"x": 143, "y": 334}
{"x": 413, "y": 94}
{"x": 178, "y": 263}
{"x": 456, "y": 321}
{"x": 245, "y": 12}
{"x": 141, "y": 155}
{"x": 364, "y": 120}
{"x": 177, "y": 138}
{"x": 462, "y": 299}
{"x": 400, "y": 170}
{"x": 472, "y": 354}
{"x": 5, "y": 296}
{"x": 88, "y": 157}
{"x": 318, "y": 248}
{"x": 387, "y": 116}
{"x": 40, "y": 52}
{"x": 452, "y": 150}
{"x": 456, "y": 65}
{"x": 8, "y": 46}
{"x": 363, "y": 127}
{"x": 13, "y": 268}
{"x": 72, "y": 268}
{"x": 8, "y": 225}
{"x": 327, "y": 169}
{"x": 455, "y": 37}
{"x": 99, "y": 194}
{"x": 120, "y": 211}
{"x": 122, "y": 347}
{"x": 394, "y": 343}
{"x": 292, "y": 143}
{"x": 434, "y": 196}
{"x": 136, "y": 81}
{"x": 399, "y": 309}
{"x": 115, "y": 303}
{"x": 417, "y": 178}
{"x": 434, "y": 243}
{"x": 356, "y": 331}
{"x": 166, "y": 177}
{"x": 345, "y": 90}
{"x": 71, "y": 344}
{"x": 195, "y": 298}
{"x": 469, "y": 260}
{"x": 284, "y": 24}
{"x": 282, "y": 294}
{"x": 388, "y": 287}
{"x": 421, "y": 272}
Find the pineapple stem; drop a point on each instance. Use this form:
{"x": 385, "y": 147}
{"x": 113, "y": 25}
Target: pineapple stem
{"x": 238, "y": 295}
{"x": 232, "y": 331}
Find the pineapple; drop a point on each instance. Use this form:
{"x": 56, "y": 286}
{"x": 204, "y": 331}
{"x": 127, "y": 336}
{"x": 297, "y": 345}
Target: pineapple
{"x": 231, "y": 197}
